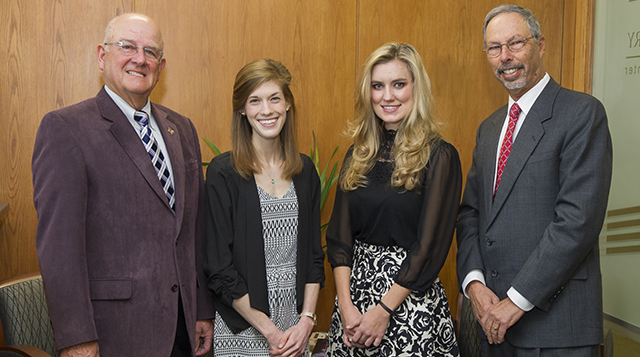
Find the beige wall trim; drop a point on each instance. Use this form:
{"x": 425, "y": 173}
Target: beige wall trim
{"x": 624, "y": 224}
{"x": 623, "y": 211}
{"x": 628, "y": 249}
{"x": 621, "y": 237}
{"x": 622, "y": 323}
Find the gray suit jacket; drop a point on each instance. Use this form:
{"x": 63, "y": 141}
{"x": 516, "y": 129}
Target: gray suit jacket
{"x": 540, "y": 235}
{"x": 112, "y": 253}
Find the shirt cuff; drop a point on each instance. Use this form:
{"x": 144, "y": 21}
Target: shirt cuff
{"x": 475, "y": 274}
{"x": 519, "y": 300}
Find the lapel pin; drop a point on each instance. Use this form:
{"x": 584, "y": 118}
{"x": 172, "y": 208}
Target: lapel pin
{"x": 170, "y": 131}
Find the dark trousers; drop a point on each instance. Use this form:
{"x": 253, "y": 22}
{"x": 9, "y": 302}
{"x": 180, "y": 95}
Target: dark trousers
{"x": 507, "y": 350}
{"x": 181, "y": 344}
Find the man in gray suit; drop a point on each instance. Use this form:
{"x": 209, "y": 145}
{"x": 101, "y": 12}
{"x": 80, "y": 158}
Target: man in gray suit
{"x": 118, "y": 187}
{"x": 534, "y": 204}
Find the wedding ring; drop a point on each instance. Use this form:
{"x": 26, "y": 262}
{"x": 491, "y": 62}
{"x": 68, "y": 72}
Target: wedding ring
{"x": 350, "y": 339}
{"x": 493, "y": 328}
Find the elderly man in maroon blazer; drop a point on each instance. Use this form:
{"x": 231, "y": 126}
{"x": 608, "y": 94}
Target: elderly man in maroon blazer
{"x": 118, "y": 188}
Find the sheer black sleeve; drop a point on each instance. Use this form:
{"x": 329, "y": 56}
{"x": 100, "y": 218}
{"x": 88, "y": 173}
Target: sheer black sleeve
{"x": 339, "y": 235}
{"x": 441, "y": 197}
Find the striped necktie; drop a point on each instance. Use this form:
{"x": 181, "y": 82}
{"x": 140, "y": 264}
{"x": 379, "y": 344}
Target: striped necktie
{"x": 157, "y": 157}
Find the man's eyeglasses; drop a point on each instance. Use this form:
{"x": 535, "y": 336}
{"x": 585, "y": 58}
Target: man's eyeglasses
{"x": 131, "y": 49}
{"x": 515, "y": 45}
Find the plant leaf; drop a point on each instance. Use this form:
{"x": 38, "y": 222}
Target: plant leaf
{"x": 213, "y": 148}
{"x": 333, "y": 178}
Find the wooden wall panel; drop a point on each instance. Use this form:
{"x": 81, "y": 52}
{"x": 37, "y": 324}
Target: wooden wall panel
{"x": 577, "y": 56}
{"x": 48, "y": 55}
{"x": 48, "y": 59}
{"x": 211, "y": 40}
{"x": 448, "y": 36}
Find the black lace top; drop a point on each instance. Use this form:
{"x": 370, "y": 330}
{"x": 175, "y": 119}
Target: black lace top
{"x": 421, "y": 221}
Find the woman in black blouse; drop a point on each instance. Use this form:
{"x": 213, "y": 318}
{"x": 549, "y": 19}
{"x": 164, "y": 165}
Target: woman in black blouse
{"x": 393, "y": 217}
{"x": 264, "y": 258}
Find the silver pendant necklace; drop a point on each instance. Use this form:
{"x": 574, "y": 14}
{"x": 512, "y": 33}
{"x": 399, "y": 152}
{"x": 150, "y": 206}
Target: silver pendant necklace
{"x": 273, "y": 181}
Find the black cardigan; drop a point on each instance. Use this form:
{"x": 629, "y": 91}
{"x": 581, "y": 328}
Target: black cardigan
{"x": 234, "y": 261}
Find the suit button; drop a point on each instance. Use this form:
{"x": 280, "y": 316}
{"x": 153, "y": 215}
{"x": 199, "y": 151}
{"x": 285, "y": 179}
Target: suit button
{"x": 494, "y": 273}
{"x": 489, "y": 242}
{"x": 174, "y": 288}
{"x": 556, "y": 294}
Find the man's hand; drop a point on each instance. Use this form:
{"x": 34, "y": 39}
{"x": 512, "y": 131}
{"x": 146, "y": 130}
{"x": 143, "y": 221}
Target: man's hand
{"x": 482, "y": 298}
{"x": 204, "y": 336}
{"x": 87, "y": 349}
{"x": 499, "y": 318}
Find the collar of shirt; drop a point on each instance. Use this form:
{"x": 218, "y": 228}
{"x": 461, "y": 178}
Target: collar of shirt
{"x": 526, "y": 103}
{"x": 128, "y": 110}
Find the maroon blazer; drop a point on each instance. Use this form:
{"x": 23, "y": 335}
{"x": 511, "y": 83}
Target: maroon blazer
{"x": 112, "y": 253}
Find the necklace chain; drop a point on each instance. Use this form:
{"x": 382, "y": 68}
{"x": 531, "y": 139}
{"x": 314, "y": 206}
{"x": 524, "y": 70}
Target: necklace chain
{"x": 273, "y": 181}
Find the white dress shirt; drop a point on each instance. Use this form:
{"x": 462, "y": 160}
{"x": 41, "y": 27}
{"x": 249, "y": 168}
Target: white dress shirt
{"x": 129, "y": 111}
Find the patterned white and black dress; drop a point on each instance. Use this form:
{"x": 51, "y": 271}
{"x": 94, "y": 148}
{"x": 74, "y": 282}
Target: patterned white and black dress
{"x": 280, "y": 232}
{"x": 388, "y": 235}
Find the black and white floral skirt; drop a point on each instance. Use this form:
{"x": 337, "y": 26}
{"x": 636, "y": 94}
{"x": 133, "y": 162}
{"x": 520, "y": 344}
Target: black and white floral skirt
{"x": 420, "y": 326}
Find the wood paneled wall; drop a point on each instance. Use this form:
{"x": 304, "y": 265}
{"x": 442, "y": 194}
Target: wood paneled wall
{"x": 48, "y": 50}
{"x": 48, "y": 59}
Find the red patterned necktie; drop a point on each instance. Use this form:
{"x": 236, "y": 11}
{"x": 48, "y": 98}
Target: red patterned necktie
{"x": 507, "y": 143}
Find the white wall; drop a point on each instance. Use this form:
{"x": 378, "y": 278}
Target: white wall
{"x": 616, "y": 82}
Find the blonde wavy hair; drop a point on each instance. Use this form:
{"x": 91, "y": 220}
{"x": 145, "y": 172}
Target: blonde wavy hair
{"x": 414, "y": 137}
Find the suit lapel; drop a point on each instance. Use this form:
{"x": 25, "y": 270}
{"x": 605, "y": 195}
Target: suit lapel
{"x": 526, "y": 142}
{"x": 171, "y": 136}
{"x": 492, "y": 137}
{"x": 130, "y": 142}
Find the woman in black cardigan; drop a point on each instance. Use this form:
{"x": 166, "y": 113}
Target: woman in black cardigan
{"x": 264, "y": 258}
